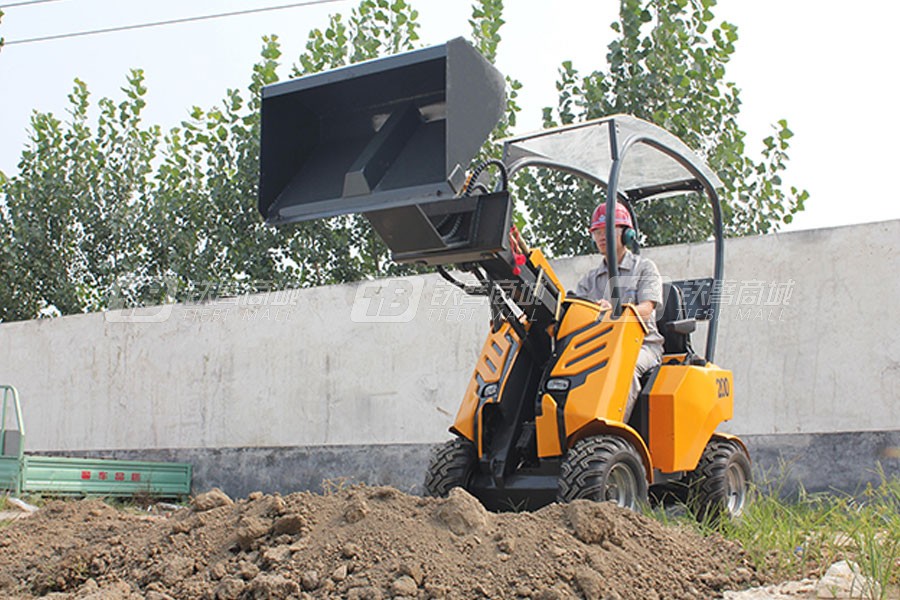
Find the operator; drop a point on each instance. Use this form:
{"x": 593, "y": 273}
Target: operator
{"x": 639, "y": 284}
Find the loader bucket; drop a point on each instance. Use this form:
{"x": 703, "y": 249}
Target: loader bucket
{"x": 390, "y": 133}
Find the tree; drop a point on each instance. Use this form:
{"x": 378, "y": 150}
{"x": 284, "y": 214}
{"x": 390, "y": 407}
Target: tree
{"x": 209, "y": 178}
{"x": 74, "y": 213}
{"x": 663, "y": 67}
{"x": 120, "y": 208}
{"x": 486, "y": 22}
{"x": 204, "y": 207}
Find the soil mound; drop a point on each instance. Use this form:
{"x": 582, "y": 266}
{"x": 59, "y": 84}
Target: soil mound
{"x": 360, "y": 543}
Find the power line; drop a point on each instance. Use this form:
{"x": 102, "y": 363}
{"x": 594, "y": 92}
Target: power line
{"x": 161, "y": 23}
{"x": 11, "y": 4}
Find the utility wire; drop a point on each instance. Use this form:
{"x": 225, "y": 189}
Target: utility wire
{"x": 12, "y": 4}
{"x": 161, "y": 23}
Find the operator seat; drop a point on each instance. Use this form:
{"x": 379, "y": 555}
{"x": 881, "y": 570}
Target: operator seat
{"x": 676, "y": 327}
{"x": 673, "y": 324}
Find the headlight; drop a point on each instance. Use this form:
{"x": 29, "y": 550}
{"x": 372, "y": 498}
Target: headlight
{"x": 557, "y": 385}
{"x": 490, "y": 390}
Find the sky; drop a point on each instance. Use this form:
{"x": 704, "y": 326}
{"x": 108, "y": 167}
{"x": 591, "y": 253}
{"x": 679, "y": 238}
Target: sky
{"x": 819, "y": 65}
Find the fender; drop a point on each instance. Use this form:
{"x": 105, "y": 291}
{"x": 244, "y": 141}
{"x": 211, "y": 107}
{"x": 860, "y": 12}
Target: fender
{"x": 603, "y": 427}
{"x": 733, "y": 438}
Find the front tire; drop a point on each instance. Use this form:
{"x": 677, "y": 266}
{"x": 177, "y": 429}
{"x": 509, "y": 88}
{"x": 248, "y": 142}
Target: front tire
{"x": 451, "y": 466}
{"x": 720, "y": 485}
{"x": 603, "y": 468}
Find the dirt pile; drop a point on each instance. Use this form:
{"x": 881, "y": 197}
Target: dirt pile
{"x": 360, "y": 543}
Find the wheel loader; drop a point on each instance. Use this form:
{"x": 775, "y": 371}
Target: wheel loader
{"x": 542, "y": 417}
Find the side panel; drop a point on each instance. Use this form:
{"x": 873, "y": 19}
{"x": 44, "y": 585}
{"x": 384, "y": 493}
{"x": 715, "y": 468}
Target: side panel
{"x": 599, "y": 362}
{"x": 106, "y": 477}
{"x": 597, "y": 358}
{"x": 497, "y": 355}
{"x": 579, "y": 314}
{"x": 547, "y": 427}
{"x": 687, "y": 403}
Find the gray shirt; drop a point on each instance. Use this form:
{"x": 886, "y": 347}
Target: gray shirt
{"x": 638, "y": 281}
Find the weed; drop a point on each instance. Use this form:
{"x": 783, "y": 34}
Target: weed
{"x": 803, "y": 536}
{"x": 331, "y": 487}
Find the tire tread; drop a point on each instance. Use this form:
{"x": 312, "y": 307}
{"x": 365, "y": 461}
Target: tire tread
{"x": 578, "y": 476}
{"x": 450, "y": 467}
{"x": 706, "y": 484}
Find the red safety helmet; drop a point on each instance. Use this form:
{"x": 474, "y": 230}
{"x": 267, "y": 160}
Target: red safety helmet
{"x": 623, "y": 217}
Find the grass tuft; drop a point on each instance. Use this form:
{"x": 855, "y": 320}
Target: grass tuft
{"x": 802, "y": 536}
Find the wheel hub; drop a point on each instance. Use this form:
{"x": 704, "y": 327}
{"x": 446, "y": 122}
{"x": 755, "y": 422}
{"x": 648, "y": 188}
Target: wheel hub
{"x": 735, "y": 490}
{"x": 621, "y": 487}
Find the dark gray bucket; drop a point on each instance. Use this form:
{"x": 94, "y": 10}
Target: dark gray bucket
{"x": 387, "y": 133}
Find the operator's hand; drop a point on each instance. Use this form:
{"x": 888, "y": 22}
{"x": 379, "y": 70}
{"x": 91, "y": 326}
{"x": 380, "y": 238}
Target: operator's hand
{"x": 604, "y": 304}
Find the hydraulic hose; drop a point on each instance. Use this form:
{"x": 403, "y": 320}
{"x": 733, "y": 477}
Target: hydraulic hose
{"x": 472, "y": 184}
{"x": 504, "y": 175}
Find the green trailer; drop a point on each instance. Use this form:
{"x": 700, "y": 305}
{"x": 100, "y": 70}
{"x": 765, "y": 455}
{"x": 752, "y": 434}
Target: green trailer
{"x": 24, "y": 474}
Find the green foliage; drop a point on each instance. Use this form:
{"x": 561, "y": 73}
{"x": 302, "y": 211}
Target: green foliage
{"x": 375, "y": 28}
{"x": 209, "y": 177}
{"x": 74, "y": 215}
{"x": 118, "y": 207}
{"x": 667, "y": 65}
{"x": 346, "y": 248}
{"x": 800, "y": 535}
{"x": 789, "y": 539}
{"x": 2, "y": 176}
{"x": 486, "y": 21}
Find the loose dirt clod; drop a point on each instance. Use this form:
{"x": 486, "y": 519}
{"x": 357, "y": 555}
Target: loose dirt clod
{"x": 210, "y": 500}
{"x": 361, "y": 542}
{"x": 461, "y": 513}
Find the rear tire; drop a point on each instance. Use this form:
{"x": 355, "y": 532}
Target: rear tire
{"x": 720, "y": 485}
{"x": 603, "y": 468}
{"x": 451, "y": 466}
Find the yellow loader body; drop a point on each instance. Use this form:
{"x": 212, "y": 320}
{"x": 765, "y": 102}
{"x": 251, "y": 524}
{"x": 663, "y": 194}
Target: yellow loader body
{"x": 596, "y": 355}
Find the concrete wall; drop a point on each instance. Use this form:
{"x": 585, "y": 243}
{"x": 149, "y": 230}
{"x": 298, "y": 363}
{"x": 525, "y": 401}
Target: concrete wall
{"x": 269, "y": 376}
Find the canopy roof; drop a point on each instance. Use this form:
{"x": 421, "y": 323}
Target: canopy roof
{"x": 655, "y": 162}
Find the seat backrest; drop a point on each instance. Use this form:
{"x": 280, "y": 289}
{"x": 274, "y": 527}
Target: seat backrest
{"x": 673, "y": 310}
{"x": 697, "y": 295}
